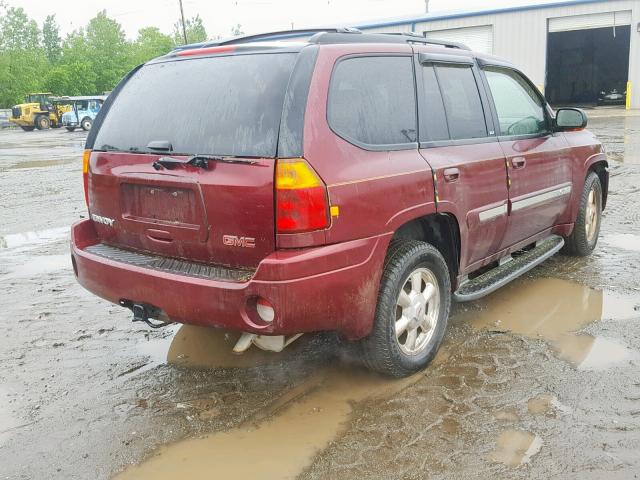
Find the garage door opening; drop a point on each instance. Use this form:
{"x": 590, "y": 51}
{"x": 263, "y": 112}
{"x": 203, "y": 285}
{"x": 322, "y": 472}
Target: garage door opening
{"x": 588, "y": 67}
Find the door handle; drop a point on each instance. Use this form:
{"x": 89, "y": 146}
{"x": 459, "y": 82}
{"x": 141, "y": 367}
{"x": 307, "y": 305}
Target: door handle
{"x": 451, "y": 174}
{"x": 160, "y": 236}
{"x": 518, "y": 163}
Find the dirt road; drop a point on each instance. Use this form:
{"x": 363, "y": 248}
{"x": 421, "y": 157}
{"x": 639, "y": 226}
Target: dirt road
{"x": 539, "y": 380}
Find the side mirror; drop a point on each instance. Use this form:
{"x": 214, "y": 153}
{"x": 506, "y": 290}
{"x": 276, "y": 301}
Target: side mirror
{"x": 568, "y": 119}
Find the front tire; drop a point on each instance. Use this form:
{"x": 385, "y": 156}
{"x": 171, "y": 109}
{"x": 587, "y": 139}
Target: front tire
{"x": 43, "y": 122}
{"x": 86, "y": 124}
{"x": 584, "y": 238}
{"x": 27, "y": 129}
{"x": 412, "y": 310}
{"x": 70, "y": 129}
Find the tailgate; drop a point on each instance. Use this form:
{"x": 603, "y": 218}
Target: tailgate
{"x": 220, "y": 215}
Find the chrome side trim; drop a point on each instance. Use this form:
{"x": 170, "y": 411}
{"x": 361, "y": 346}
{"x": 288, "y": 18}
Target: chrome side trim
{"x": 540, "y": 198}
{"x": 493, "y": 213}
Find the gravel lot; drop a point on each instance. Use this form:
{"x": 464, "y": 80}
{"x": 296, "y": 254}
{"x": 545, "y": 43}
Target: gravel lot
{"x": 539, "y": 380}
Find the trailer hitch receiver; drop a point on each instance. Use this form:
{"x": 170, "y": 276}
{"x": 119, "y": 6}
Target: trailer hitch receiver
{"x": 148, "y": 314}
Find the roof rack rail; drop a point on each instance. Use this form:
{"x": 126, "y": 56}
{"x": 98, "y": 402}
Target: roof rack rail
{"x": 325, "y": 37}
{"x": 279, "y": 35}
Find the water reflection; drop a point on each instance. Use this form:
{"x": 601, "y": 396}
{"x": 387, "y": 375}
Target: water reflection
{"x": 203, "y": 347}
{"x": 515, "y": 448}
{"x": 625, "y": 241}
{"x": 553, "y": 310}
{"x": 33, "y": 239}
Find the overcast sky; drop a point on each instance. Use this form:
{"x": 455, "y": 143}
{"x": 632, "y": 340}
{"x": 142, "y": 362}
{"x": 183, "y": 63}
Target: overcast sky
{"x": 254, "y": 15}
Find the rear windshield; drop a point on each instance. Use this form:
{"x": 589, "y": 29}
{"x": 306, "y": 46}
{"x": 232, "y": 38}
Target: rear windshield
{"x": 219, "y": 106}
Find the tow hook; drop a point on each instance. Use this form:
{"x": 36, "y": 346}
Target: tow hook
{"x": 145, "y": 313}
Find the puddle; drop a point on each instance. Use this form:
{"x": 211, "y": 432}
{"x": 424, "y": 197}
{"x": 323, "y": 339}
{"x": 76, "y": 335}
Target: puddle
{"x": 546, "y": 405}
{"x": 553, "y": 309}
{"x": 39, "y": 265}
{"x": 33, "y": 238}
{"x": 41, "y": 163}
{"x": 592, "y": 353}
{"x": 282, "y": 441}
{"x": 625, "y": 241}
{"x": 506, "y": 415}
{"x": 515, "y": 448}
{"x": 203, "y": 347}
{"x": 631, "y": 149}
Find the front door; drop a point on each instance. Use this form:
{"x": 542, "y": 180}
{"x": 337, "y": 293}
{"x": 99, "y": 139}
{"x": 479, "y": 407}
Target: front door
{"x": 538, "y": 160}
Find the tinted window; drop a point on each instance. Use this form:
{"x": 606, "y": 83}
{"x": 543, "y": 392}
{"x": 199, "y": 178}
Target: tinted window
{"x": 433, "y": 122}
{"x": 223, "y": 105}
{"x": 520, "y": 109}
{"x": 465, "y": 115}
{"x": 372, "y": 100}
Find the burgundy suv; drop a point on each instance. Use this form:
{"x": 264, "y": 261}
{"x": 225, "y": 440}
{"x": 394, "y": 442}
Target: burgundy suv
{"x": 354, "y": 183}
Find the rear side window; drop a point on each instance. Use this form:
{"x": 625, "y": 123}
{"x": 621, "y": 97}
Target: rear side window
{"x": 519, "y": 107}
{"x": 228, "y": 105}
{"x": 465, "y": 115}
{"x": 433, "y": 121}
{"x": 372, "y": 101}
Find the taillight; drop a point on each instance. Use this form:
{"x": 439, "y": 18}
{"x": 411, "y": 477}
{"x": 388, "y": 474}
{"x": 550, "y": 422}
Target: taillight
{"x": 301, "y": 197}
{"x": 85, "y": 174}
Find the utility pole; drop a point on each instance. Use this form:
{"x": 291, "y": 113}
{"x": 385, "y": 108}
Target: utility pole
{"x": 184, "y": 29}
{"x": 426, "y": 6}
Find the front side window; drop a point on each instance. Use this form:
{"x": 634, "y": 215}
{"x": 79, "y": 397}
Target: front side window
{"x": 372, "y": 101}
{"x": 519, "y": 107}
{"x": 462, "y": 103}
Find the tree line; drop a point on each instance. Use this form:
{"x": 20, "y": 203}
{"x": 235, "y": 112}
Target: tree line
{"x": 88, "y": 61}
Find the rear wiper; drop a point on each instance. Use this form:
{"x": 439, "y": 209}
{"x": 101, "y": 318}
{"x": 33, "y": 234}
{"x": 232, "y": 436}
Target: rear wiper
{"x": 200, "y": 161}
{"x": 108, "y": 148}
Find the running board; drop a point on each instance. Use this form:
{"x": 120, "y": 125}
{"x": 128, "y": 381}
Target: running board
{"x": 499, "y": 276}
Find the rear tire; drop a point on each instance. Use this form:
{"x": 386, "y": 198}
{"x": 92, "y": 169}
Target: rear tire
{"x": 86, "y": 124}
{"x": 43, "y": 122}
{"x": 584, "y": 238}
{"x": 27, "y": 129}
{"x": 412, "y": 310}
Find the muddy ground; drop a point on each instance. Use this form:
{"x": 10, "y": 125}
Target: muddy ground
{"x": 539, "y": 380}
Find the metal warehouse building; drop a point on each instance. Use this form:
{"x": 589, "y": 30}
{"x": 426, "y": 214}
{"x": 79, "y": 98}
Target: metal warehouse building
{"x": 573, "y": 50}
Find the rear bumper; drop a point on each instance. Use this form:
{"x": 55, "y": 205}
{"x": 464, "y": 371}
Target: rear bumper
{"x": 332, "y": 287}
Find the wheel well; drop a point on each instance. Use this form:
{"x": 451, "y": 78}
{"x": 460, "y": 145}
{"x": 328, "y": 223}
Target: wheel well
{"x": 441, "y": 231}
{"x": 601, "y": 169}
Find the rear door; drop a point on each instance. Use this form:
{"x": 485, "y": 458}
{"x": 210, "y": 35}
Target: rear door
{"x": 219, "y": 211}
{"x": 457, "y": 138}
{"x": 538, "y": 160}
